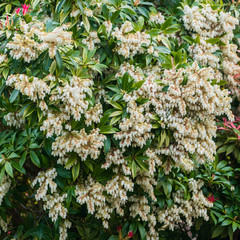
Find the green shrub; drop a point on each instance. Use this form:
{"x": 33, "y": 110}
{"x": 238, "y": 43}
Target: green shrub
{"x": 109, "y": 112}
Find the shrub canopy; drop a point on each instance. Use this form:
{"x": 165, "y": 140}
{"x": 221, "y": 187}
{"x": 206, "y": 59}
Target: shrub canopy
{"x": 109, "y": 113}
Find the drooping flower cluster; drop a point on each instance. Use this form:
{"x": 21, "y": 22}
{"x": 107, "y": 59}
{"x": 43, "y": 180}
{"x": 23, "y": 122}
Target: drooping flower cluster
{"x": 91, "y": 193}
{"x": 212, "y": 24}
{"x": 92, "y": 40}
{"x": 32, "y": 87}
{"x": 73, "y": 96}
{"x": 54, "y": 123}
{"x": 45, "y": 180}
{"x": 4, "y": 187}
{"x": 135, "y": 131}
{"x": 80, "y": 142}
{"x": 3, "y": 58}
{"x": 157, "y": 18}
{"x": 14, "y": 119}
{"x": 3, "y": 225}
{"x": 24, "y": 45}
{"x": 63, "y": 229}
{"x": 52, "y": 40}
{"x": 130, "y": 43}
{"x": 52, "y": 202}
{"x": 194, "y": 208}
{"x": 208, "y": 22}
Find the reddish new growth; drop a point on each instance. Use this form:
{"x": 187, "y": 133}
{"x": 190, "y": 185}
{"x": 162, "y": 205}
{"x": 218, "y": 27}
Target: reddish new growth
{"x": 230, "y": 126}
{"x": 212, "y": 199}
{"x": 25, "y": 9}
{"x": 119, "y": 228}
{"x": 18, "y": 10}
{"x": 130, "y": 234}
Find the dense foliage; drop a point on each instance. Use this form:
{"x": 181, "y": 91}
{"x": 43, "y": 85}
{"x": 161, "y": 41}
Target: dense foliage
{"x": 119, "y": 119}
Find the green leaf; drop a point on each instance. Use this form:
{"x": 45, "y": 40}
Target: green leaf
{"x": 62, "y": 172}
{"x": 167, "y": 187}
{"x": 29, "y": 110}
{"x": 226, "y": 222}
{"x": 142, "y": 231}
{"x": 13, "y": 95}
{"x": 103, "y": 120}
{"x": 154, "y": 32}
{"x": 34, "y": 145}
{"x": 197, "y": 39}
{"x": 80, "y": 5}
{"x": 235, "y": 226}
{"x": 214, "y": 218}
{"x": 188, "y": 39}
{"x": 161, "y": 203}
{"x": 59, "y": 6}
{"x": 69, "y": 196}
{"x": 141, "y": 101}
{"x": 222, "y": 149}
{"x": 86, "y": 23}
{"x": 114, "y": 88}
{"x": 184, "y": 81}
{"x": 108, "y": 129}
{"x": 221, "y": 164}
{"x": 230, "y": 149}
{"x": 8, "y": 8}
{"x": 63, "y": 16}
{"x": 128, "y": 10}
{"x": 171, "y": 30}
{"x": 2, "y": 174}
{"x": 213, "y": 40}
{"x": 75, "y": 171}
{"x": 71, "y": 160}
{"x": 5, "y": 73}
{"x": 162, "y": 49}
{"x": 167, "y": 23}
{"x": 230, "y": 232}
{"x": 107, "y": 145}
{"x": 148, "y": 59}
{"x": 143, "y": 11}
{"x": 84, "y": 55}
{"x": 52, "y": 67}
{"x": 178, "y": 57}
{"x": 138, "y": 84}
{"x": 134, "y": 169}
{"x": 217, "y": 231}
{"x": 35, "y": 159}
{"x": 59, "y": 60}
{"x": 125, "y": 79}
{"x": 116, "y": 105}
{"x": 13, "y": 155}
{"x": 148, "y": 143}
{"x": 140, "y": 23}
{"x": 17, "y": 166}
{"x": 142, "y": 165}
{"x": 105, "y": 11}
{"x": 113, "y": 237}
{"x": 166, "y": 42}
{"x": 9, "y": 169}
{"x": 165, "y": 88}
{"x": 115, "y": 113}
{"x": 133, "y": 226}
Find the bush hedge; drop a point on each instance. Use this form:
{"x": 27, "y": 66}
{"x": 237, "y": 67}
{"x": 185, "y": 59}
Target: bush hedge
{"x": 119, "y": 119}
